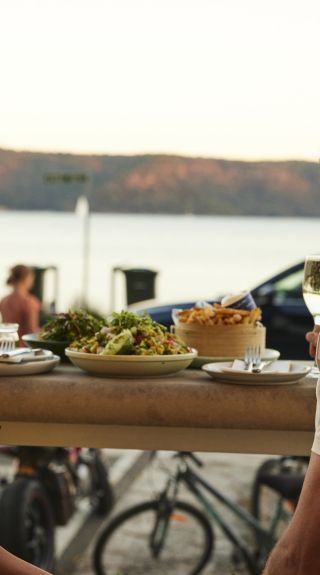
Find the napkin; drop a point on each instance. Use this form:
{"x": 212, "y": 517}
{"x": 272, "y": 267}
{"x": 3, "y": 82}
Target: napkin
{"x": 238, "y": 366}
{"x": 28, "y": 357}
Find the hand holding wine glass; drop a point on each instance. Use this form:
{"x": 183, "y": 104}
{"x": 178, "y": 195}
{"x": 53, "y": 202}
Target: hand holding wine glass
{"x": 311, "y": 295}
{"x": 312, "y": 339}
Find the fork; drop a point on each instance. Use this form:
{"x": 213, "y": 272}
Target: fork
{"x": 7, "y": 345}
{"x": 252, "y": 359}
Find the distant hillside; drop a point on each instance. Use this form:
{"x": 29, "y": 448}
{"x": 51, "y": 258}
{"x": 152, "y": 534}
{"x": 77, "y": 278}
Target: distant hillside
{"x": 161, "y": 184}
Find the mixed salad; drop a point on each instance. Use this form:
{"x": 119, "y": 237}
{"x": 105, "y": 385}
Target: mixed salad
{"x": 71, "y": 326}
{"x": 126, "y": 333}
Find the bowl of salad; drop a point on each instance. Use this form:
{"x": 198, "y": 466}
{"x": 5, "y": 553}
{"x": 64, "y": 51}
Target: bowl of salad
{"x": 131, "y": 345}
{"x": 62, "y": 329}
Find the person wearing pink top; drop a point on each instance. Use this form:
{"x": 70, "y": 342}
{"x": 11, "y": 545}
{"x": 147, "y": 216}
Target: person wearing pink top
{"x": 20, "y": 306}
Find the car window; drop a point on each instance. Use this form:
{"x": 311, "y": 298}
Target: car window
{"x": 289, "y": 288}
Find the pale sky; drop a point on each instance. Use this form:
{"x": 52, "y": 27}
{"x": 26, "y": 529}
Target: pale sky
{"x": 220, "y": 78}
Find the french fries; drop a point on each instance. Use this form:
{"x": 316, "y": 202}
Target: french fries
{"x": 219, "y": 315}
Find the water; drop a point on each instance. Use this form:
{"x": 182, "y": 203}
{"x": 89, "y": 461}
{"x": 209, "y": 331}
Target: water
{"x": 197, "y": 257}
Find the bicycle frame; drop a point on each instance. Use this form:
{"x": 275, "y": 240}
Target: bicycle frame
{"x": 196, "y": 485}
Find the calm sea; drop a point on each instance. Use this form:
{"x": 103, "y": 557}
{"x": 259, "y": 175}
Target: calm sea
{"x": 197, "y": 257}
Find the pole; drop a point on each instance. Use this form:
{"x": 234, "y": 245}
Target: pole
{"x": 80, "y": 178}
{"x": 86, "y": 256}
{"x": 86, "y": 251}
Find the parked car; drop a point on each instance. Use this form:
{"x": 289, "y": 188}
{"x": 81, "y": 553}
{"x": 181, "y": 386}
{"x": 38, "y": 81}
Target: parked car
{"x": 285, "y": 314}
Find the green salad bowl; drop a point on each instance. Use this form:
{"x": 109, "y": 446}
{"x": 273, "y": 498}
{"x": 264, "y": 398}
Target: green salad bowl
{"x": 57, "y": 347}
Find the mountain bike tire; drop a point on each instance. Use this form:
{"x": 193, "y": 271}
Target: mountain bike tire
{"x": 27, "y": 523}
{"x": 134, "y": 557}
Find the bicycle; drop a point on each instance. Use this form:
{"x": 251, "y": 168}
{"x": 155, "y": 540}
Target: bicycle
{"x": 169, "y": 536}
{"x": 43, "y": 494}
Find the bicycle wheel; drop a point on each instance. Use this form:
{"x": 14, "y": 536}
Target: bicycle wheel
{"x": 26, "y": 522}
{"x": 124, "y": 548}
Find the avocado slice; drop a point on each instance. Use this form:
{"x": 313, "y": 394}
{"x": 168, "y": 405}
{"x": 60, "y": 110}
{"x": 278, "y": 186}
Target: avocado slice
{"x": 120, "y": 344}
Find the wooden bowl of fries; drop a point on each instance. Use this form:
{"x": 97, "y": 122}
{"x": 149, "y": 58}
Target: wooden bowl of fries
{"x": 220, "y": 331}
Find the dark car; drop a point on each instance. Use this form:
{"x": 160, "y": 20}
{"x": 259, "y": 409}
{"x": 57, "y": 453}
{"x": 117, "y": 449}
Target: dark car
{"x": 285, "y": 314}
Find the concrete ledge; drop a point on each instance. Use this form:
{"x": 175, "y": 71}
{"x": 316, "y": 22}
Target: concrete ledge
{"x": 159, "y": 438}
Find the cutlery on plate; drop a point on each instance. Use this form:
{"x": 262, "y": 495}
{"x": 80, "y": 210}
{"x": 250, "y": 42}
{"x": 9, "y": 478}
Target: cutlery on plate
{"x": 252, "y": 359}
{"x": 7, "y": 345}
{"x": 19, "y": 351}
{"x": 261, "y": 367}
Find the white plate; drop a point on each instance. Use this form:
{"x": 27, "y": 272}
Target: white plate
{"x": 29, "y": 367}
{"x": 268, "y": 355}
{"x": 296, "y": 372}
{"x": 130, "y": 365}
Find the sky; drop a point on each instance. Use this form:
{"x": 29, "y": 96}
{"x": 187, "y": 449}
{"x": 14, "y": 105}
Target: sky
{"x": 217, "y": 78}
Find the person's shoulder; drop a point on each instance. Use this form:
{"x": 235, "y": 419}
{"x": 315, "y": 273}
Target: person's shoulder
{"x": 5, "y": 298}
{"x": 8, "y": 299}
{"x": 33, "y": 301}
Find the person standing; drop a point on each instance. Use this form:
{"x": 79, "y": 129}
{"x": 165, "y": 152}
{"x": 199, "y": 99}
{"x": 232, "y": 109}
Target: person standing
{"x": 20, "y": 306}
{"x": 298, "y": 550}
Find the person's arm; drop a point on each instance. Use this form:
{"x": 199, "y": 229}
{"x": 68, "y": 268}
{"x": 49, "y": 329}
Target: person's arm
{"x": 298, "y": 550}
{"x": 11, "y": 565}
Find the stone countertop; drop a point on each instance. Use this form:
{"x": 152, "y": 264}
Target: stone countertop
{"x": 188, "y": 399}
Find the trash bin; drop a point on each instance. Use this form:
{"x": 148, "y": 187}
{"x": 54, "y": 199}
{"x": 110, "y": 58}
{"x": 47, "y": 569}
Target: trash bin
{"x": 39, "y": 284}
{"x": 140, "y": 284}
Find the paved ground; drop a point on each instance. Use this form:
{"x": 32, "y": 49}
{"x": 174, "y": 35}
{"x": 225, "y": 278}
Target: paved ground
{"x": 232, "y": 474}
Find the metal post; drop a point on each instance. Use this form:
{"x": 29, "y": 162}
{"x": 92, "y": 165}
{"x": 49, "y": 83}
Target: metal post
{"x": 80, "y": 178}
{"x": 113, "y": 288}
{"x": 86, "y": 254}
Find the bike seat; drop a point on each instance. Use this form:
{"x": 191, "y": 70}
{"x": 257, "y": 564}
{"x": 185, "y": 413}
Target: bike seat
{"x": 288, "y": 485}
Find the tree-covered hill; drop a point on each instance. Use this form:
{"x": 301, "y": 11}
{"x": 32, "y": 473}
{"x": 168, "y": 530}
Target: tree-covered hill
{"x": 161, "y": 184}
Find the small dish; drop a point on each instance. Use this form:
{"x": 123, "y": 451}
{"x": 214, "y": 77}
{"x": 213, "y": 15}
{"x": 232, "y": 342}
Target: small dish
{"x": 293, "y": 373}
{"x": 57, "y": 347}
{"x": 29, "y": 367}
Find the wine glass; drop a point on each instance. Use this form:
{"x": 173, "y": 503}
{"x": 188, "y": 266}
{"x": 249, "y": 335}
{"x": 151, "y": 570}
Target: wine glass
{"x": 311, "y": 296}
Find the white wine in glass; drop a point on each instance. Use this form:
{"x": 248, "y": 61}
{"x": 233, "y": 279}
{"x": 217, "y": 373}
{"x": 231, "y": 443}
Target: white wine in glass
{"x": 311, "y": 291}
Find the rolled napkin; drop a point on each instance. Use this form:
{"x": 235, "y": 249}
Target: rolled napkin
{"x": 29, "y": 356}
{"x": 239, "y": 366}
